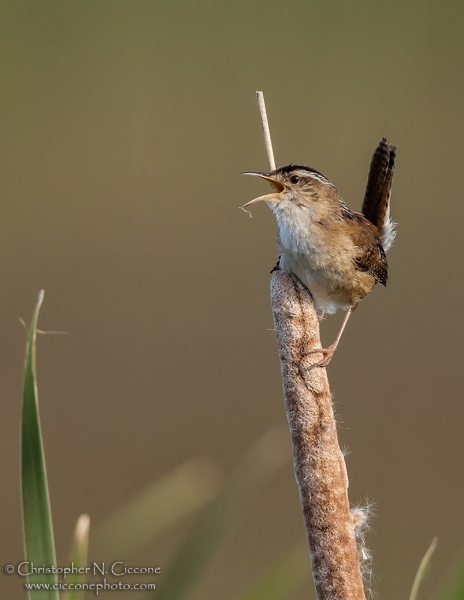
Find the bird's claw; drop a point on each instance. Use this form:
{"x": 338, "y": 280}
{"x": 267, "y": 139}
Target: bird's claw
{"x": 276, "y": 267}
{"x": 326, "y": 352}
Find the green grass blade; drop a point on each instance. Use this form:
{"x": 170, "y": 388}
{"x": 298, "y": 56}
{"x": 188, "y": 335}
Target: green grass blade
{"x": 454, "y": 586}
{"x": 37, "y": 519}
{"x": 78, "y": 558}
{"x": 156, "y": 509}
{"x": 201, "y": 545}
{"x": 422, "y": 569}
{"x": 284, "y": 579}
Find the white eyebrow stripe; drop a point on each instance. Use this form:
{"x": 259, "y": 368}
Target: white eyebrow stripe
{"x": 321, "y": 179}
{"x": 316, "y": 176}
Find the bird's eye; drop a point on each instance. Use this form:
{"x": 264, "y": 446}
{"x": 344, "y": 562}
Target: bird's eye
{"x": 294, "y": 179}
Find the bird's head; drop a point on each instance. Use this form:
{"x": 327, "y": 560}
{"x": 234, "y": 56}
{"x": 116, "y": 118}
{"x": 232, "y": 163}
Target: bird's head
{"x": 295, "y": 185}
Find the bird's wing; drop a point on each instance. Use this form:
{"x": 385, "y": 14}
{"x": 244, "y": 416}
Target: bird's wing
{"x": 370, "y": 255}
{"x": 373, "y": 260}
{"x": 376, "y": 205}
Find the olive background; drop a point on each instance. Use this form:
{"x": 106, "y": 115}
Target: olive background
{"x": 125, "y": 126}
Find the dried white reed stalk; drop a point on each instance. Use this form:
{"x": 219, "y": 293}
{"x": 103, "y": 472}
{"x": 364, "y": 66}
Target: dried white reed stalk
{"x": 317, "y": 459}
{"x": 266, "y": 130}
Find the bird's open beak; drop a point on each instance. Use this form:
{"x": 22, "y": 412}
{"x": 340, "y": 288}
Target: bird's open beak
{"x": 278, "y": 189}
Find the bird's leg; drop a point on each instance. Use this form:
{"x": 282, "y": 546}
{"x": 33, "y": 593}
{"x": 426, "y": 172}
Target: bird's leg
{"x": 330, "y": 350}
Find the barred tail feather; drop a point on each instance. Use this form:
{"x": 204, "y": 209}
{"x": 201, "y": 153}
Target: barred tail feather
{"x": 376, "y": 205}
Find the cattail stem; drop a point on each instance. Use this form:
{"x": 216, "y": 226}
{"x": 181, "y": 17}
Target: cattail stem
{"x": 317, "y": 459}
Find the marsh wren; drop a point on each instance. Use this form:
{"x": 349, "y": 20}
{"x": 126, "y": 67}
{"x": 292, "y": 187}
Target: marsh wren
{"x": 339, "y": 255}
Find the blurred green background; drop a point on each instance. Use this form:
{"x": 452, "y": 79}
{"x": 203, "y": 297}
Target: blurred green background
{"x": 124, "y": 128}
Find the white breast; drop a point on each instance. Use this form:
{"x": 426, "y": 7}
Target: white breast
{"x": 307, "y": 253}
